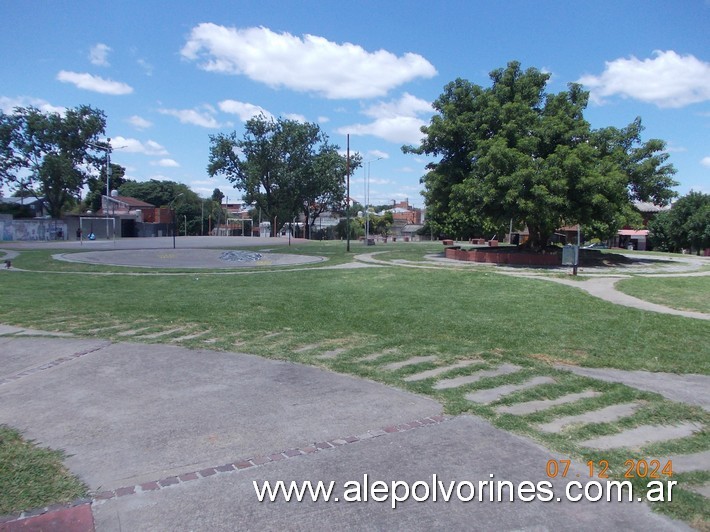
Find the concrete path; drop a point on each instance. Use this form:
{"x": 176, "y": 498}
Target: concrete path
{"x": 172, "y": 439}
{"x": 603, "y": 288}
{"x": 601, "y": 285}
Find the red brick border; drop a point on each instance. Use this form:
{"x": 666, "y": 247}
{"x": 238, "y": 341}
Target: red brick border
{"x": 17, "y": 521}
{"x": 503, "y": 257}
{"x": 256, "y": 461}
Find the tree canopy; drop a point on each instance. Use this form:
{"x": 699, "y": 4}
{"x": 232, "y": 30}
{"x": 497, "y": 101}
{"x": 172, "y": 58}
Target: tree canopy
{"x": 189, "y": 208}
{"x": 514, "y": 152}
{"x": 97, "y": 185}
{"x": 685, "y": 226}
{"x": 51, "y": 153}
{"x": 283, "y": 167}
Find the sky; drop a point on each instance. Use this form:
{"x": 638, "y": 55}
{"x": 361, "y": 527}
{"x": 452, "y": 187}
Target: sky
{"x": 170, "y": 74}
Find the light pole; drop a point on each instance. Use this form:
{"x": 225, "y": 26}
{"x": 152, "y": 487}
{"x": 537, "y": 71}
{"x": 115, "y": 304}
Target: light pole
{"x": 107, "y": 149}
{"x": 172, "y": 215}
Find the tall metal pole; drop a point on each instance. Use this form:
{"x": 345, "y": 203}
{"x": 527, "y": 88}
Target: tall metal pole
{"x": 347, "y": 194}
{"x": 108, "y": 167}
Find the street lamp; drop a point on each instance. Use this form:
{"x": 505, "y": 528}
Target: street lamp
{"x": 172, "y": 215}
{"x": 107, "y": 149}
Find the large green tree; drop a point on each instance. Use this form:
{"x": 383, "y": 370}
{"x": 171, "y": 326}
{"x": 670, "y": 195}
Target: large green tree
{"x": 51, "y": 153}
{"x": 283, "y": 167}
{"x": 514, "y": 152}
{"x": 685, "y": 226}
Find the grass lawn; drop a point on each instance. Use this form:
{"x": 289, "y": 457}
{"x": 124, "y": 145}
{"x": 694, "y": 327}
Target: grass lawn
{"x": 380, "y": 315}
{"x": 684, "y": 293}
{"x": 32, "y": 476}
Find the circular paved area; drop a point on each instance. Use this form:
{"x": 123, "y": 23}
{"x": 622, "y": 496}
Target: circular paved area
{"x": 188, "y": 258}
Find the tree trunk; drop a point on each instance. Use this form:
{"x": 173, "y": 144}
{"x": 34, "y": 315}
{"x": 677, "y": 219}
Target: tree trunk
{"x": 538, "y": 237}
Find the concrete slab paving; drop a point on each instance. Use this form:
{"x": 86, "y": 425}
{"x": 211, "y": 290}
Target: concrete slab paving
{"x": 374, "y": 356}
{"x": 702, "y": 489}
{"x": 428, "y": 374}
{"x": 690, "y": 388}
{"x": 466, "y": 449}
{"x": 9, "y": 329}
{"x": 19, "y": 354}
{"x": 409, "y": 362}
{"x": 188, "y": 258}
{"x": 161, "y": 333}
{"x": 35, "y": 332}
{"x": 602, "y": 415}
{"x": 190, "y": 336}
{"x": 643, "y": 435}
{"x": 130, "y": 413}
{"x": 455, "y": 382}
{"x": 332, "y": 353}
{"x": 683, "y": 463}
{"x": 493, "y": 394}
{"x": 134, "y": 332}
{"x": 530, "y": 407}
{"x": 309, "y": 347}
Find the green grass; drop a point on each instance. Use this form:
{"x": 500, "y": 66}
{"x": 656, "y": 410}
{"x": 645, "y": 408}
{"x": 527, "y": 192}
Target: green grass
{"x": 398, "y": 313}
{"x": 452, "y": 312}
{"x": 32, "y": 476}
{"x": 683, "y": 293}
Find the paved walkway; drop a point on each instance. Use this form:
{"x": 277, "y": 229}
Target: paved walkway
{"x": 600, "y": 285}
{"x": 172, "y": 439}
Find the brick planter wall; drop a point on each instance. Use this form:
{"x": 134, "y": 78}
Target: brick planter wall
{"x": 524, "y": 259}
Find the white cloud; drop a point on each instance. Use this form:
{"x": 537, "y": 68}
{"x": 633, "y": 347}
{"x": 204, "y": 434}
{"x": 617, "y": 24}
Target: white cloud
{"x": 395, "y": 121}
{"x": 705, "y": 161}
{"x": 323, "y": 119}
{"x": 139, "y": 122}
{"x": 98, "y": 54}
{"x": 667, "y": 80}
{"x": 199, "y": 117}
{"x": 136, "y": 146}
{"x": 166, "y": 163}
{"x": 7, "y": 105}
{"x": 296, "y": 117}
{"x": 307, "y": 64}
{"x": 94, "y": 83}
{"x": 377, "y": 154}
{"x": 243, "y": 110}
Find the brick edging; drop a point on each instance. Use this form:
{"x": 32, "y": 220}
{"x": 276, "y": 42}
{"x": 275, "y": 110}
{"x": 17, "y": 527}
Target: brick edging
{"x": 27, "y": 514}
{"x": 262, "y": 459}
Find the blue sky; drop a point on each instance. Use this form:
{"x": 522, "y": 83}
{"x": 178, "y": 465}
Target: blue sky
{"x": 169, "y": 74}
